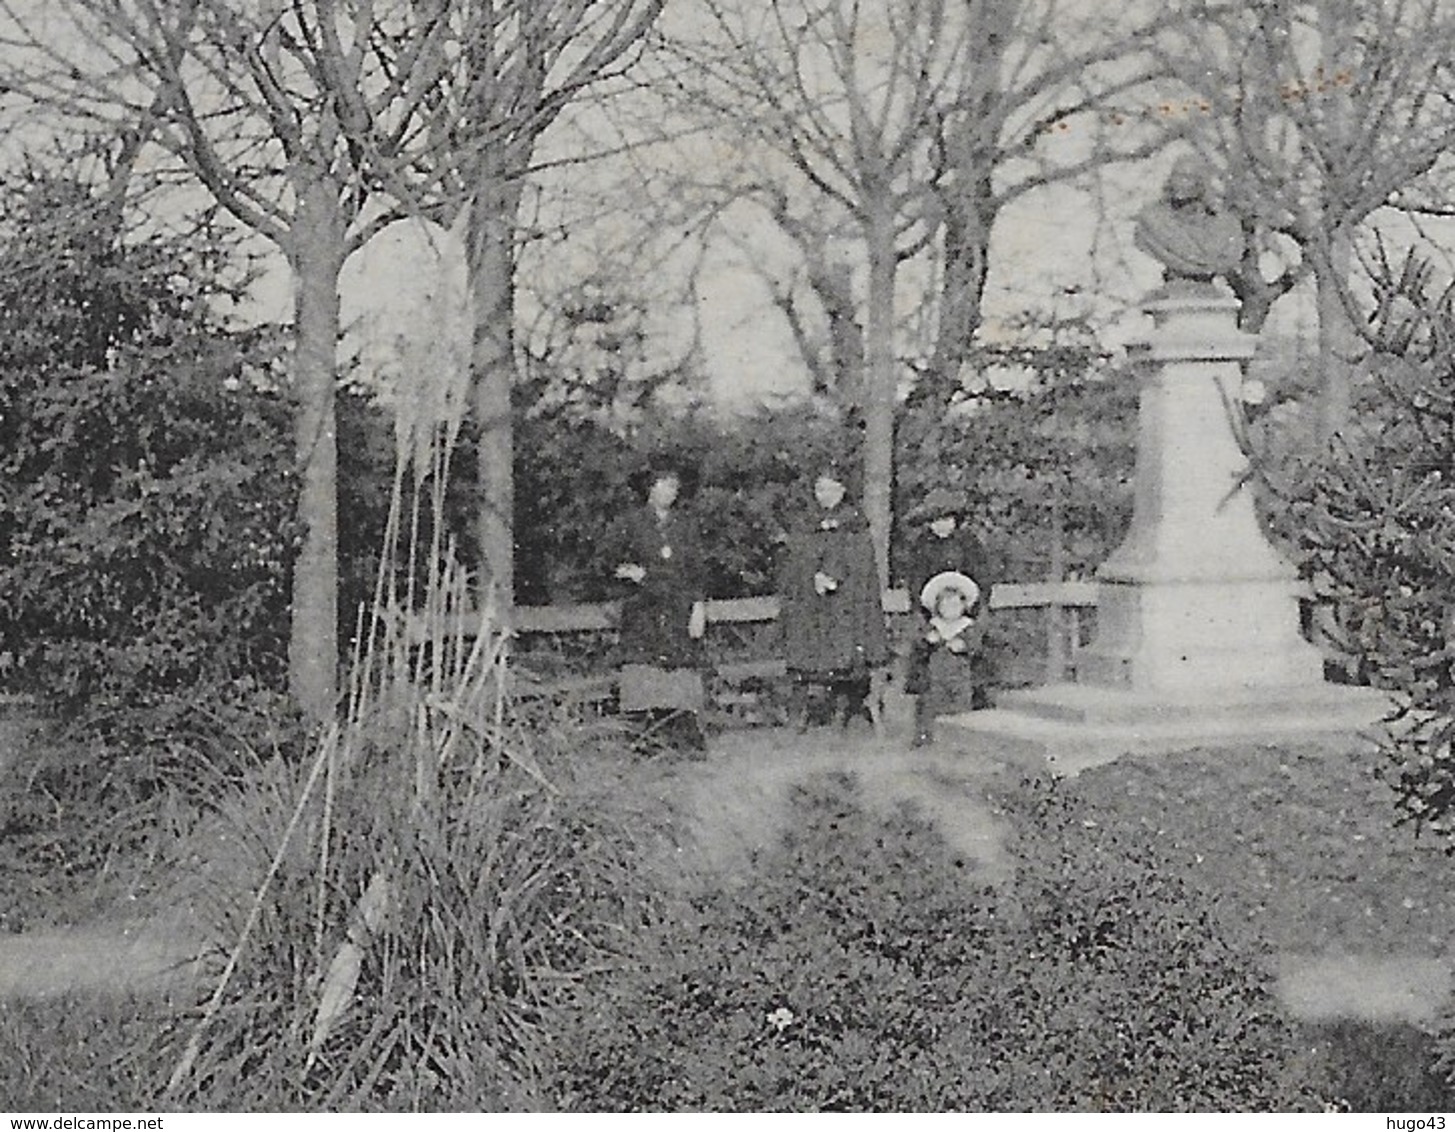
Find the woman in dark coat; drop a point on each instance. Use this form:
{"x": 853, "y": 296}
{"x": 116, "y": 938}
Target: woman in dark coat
{"x": 832, "y": 616}
{"x": 662, "y": 618}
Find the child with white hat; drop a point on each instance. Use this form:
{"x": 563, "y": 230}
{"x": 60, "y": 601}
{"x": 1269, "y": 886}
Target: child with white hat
{"x": 943, "y": 661}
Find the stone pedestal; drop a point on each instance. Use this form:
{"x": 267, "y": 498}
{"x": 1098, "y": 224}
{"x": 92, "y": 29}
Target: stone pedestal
{"x": 1197, "y": 613}
{"x": 1195, "y": 598}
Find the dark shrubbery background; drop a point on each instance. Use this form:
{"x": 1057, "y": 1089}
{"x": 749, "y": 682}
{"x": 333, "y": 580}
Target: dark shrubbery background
{"x": 146, "y": 516}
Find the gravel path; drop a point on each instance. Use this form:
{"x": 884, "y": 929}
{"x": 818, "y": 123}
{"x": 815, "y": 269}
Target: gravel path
{"x": 147, "y": 957}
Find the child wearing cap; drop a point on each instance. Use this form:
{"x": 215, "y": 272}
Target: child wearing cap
{"x": 941, "y": 537}
{"x": 943, "y": 662}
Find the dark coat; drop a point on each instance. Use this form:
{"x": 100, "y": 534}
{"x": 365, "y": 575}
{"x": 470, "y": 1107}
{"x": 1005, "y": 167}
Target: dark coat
{"x": 960, "y": 550}
{"x": 655, "y": 613}
{"x": 839, "y": 634}
{"x": 947, "y": 674}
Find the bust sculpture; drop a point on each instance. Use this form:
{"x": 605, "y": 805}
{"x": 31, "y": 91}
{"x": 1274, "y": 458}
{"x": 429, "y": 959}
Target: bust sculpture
{"x": 1186, "y": 231}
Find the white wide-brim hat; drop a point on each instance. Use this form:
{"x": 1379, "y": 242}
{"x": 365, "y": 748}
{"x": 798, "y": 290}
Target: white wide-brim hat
{"x": 929, "y": 597}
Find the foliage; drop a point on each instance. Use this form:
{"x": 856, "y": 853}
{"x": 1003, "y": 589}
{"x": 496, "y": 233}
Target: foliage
{"x": 1384, "y": 1067}
{"x": 1305, "y": 857}
{"x": 821, "y": 985}
{"x": 576, "y": 490}
{"x": 755, "y": 475}
{"x": 864, "y": 968}
{"x": 1041, "y": 450}
{"x": 96, "y": 811}
{"x": 1374, "y": 518}
{"x": 502, "y": 876}
{"x": 399, "y": 909}
{"x": 146, "y": 533}
{"x": 1046, "y": 438}
{"x": 1376, "y": 515}
{"x": 145, "y": 520}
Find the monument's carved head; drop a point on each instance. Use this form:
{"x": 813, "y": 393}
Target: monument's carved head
{"x": 1186, "y": 231}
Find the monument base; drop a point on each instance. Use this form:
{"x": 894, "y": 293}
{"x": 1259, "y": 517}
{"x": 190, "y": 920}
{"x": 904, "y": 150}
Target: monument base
{"x": 1070, "y": 727}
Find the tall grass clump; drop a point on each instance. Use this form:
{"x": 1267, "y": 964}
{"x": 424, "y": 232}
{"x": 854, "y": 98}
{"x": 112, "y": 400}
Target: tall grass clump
{"x": 427, "y": 882}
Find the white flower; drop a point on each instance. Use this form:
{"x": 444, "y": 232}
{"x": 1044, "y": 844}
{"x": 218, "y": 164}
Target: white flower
{"x": 781, "y": 1018}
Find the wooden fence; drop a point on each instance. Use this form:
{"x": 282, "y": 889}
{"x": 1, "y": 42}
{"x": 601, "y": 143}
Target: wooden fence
{"x": 741, "y": 638}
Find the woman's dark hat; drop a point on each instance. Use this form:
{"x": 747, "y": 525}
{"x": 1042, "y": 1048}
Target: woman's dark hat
{"x": 939, "y": 503}
{"x": 666, "y": 463}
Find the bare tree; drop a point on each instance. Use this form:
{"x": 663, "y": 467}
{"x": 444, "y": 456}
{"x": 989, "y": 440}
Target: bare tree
{"x": 1040, "y": 70}
{"x": 1320, "y": 111}
{"x": 315, "y": 123}
{"x": 840, "y": 96}
{"x": 526, "y": 60}
{"x": 911, "y": 126}
{"x": 233, "y": 92}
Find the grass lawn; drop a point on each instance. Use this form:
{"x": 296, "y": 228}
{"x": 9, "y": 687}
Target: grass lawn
{"x": 1300, "y": 843}
{"x": 1296, "y": 851}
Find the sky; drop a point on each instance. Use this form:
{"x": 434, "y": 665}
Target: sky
{"x": 1063, "y": 250}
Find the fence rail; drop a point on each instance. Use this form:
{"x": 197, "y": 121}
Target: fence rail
{"x": 746, "y": 623}
{"x": 599, "y": 616}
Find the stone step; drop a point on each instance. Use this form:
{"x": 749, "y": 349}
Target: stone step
{"x": 1067, "y": 728}
{"x": 1092, "y": 704}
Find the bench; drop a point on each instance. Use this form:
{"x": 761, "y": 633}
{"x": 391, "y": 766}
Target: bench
{"x": 737, "y": 628}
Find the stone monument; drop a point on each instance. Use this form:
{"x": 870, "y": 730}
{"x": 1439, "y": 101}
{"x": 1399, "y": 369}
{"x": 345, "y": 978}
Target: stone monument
{"x": 1197, "y": 613}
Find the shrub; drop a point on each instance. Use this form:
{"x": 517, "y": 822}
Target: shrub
{"x": 1123, "y": 986}
{"x": 100, "y": 810}
{"x": 574, "y": 495}
{"x": 425, "y": 884}
{"x": 146, "y": 529}
{"x": 1374, "y": 518}
{"x": 821, "y": 983}
{"x": 145, "y": 520}
{"x": 863, "y": 968}
{"x": 1045, "y": 459}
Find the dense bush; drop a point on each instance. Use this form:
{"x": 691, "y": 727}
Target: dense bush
{"x": 1042, "y": 451}
{"x": 1373, "y": 516}
{"x": 575, "y": 493}
{"x": 397, "y": 912}
{"x": 146, "y": 511}
{"x": 1047, "y": 460}
{"x": 863, "y": 967}
{"x": 146, "y": 532}
{"x": 83, "y": 1053}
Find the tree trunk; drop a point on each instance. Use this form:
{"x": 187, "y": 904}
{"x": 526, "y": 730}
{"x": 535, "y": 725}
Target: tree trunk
{"x": 317, "y": 253}
{"x": 1338, "y": 339}
{"x": 962, "y": 287}
{"x": 967, "y": 197}
{"x": 881, "y": 381}
{"x": 846, "y": 337}
{"x": 492, "y": 373}
{"x": 1256, "y": 293}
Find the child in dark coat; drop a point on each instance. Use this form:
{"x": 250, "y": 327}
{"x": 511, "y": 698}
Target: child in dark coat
{"x": 944, "y": 661}
{"x": 940, "y": 538}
